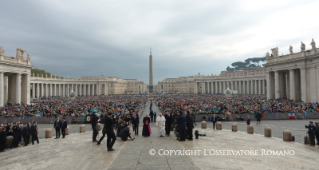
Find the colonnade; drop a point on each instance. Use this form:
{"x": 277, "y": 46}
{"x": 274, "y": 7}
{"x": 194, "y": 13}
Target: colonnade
{"x": 14, "y": 88}
{"x": 64, "y": 89}
{"x": 253, "y": 86}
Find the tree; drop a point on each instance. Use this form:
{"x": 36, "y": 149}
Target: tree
{"x": 37, "y": 72}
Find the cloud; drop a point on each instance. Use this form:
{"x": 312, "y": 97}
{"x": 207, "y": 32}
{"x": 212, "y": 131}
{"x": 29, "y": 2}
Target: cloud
{"x": 90, "y": 38}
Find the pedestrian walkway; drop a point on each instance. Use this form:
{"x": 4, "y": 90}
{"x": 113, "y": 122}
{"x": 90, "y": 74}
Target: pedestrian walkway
{"x": 136, "y": 154}
{"x": 77, "y": 151}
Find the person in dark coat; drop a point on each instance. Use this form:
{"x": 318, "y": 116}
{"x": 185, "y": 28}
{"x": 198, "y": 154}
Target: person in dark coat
{"x": 64, "y": 126}
{"x": 258, "y": 117}
{"x": 120, "y": 127}
{"x": 57, "y": 125}
{"x": 108, "y": 128}
{"x": 15, "y": 129}
{"x": 317, "y": 132}
{"x": 125, "y": 133}
{"x": 168, "y": 122}
{"x": 181, "y": 121}
{"x": 146, "y": 126}
{"x": 154, "y": 116}
{"x": 248, "y": 120}
{"x": 9, "y": 129}
{"x": 3, "y": 138}
{"x": 151, "y": 115}
{"x": 135, "y": 123}
{"x": 26, "y": 134}
{"x": 190, "y": 125}
{"x": 34, "y": 132}
{"x": 214, "y": 119}
{"x": 94, "y": 123}
{"x": 311, "y": 133}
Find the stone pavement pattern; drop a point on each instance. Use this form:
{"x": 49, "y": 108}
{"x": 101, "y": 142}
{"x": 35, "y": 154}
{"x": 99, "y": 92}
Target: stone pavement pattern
{"x": 78, "y": 152}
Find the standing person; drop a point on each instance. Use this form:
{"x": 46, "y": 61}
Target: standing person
{"x": 194, "y": 118}
{"x": 57, "y": 125}
{"x": 214, "y": 119}
{"x": 26, "y": 134}
{"x": 108, "y": 127}
{"x": 155, "y": 117}
{"x": 181, "y": 121}
{"x": 135, "y": 123}
{"x": 151, "y": 115}
{"x": 190, "y": 125}
{"x": 94, "y": 123}
{"x": 317, "y": 132}
{"x": 258, "y": 117}
{"x": 248, "y": 120}
{"x": 146, "y": 126}
{"x": 34, "y": 132}
{"x": 168, "y": 123}
{"x": 311, "y": 133}
{"x": 125, "y": 133}
{"x": 15, "y": 129}
{"x": 160, "y": 124}
{"x": 3, "y": 138}
{"x": 64, "y": 126}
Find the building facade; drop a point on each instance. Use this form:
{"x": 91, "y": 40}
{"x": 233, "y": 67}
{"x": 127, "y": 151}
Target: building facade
{"x": 17, "y": 85}
{"x": 249, "y": 81}
{"x": 295, "y": 75}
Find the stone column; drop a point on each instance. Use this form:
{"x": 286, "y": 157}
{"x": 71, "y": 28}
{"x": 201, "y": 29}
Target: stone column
{"x": 255, "y": 82}
{"x": 259, "y": 86}
{"x": 2, "y": 89}
{"x": 265, "y": 85}
{"x": 89, "y": 90}
{"x": 313, "y": 85}
{"x": 292, "y": 89}
{"x": 93, "y": 89}
{"x": 41, "y": 89}
{"x": 239, "y": 89}
{"x": 51, "y": 89}
{"x": 18, "y": 88}
{"x": 195, "y": 88}
{"x": 244, "y": 87}
{"x": 247, "y": 87}
{"x": 80, "y": 89}
{"x": 303, "y": 84}
{"x": 67, "y": 90}
{"x": 25, "y": 90}
{"x": 203, "y": 87}
{"x": 63, "y": 90}
{"x": 33, "y": 90}
{"x": 6, "y": 89}
{"x": 277, "y": 87}
{"x": 38, "y": 91}
{"x": 216, "y": 87}
{"x": 76, "y": 89}
{"x": 107, "y": 89}
{"x": 98, "y": 89}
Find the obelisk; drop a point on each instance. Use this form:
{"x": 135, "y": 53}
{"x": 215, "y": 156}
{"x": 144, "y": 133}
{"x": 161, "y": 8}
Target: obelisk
{"x": 151, "y": 76}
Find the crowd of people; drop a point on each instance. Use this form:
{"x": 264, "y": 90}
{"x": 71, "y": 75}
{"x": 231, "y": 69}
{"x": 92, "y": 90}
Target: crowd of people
{"x": 220, "y": 104}
{"x": 121, "y": 112}
{"x": 22, "y": 134}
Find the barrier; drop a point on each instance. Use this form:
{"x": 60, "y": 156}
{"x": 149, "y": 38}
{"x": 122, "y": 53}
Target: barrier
{"x": 234, "y": 127}
{"x": 48, "y": 133}
{"x": 82, "y": 128}
{"x": 66, "y": 131}
{"x": 250, "y": 129}
{"x": 287, "y": 135}
{"x": 204, "y": 124}
{"x": 9, "y": 141}
{"x": 219, "y": 125}
{"x": 267, "y": 132}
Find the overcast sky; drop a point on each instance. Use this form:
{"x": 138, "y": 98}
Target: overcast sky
{"x": 90, "y": 38}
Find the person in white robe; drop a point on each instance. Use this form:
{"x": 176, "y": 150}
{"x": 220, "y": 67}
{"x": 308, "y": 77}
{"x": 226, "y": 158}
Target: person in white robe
{"x": 160, "y": 124}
